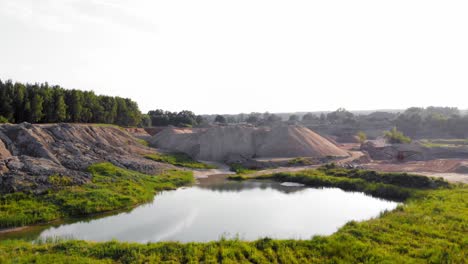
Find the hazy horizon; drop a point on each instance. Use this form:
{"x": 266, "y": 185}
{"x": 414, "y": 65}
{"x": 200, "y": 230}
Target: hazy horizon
{"x": 245, "y": 56}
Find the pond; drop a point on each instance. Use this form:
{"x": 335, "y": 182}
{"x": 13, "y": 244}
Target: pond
{"x": 219, "y": 208}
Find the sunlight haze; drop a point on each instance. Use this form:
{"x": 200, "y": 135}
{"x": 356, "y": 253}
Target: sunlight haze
{"x": 243, "y": 56}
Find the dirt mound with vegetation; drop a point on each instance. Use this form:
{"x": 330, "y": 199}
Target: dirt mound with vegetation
{"x": 224, "y": 143}
{"x": 31, "y": 154}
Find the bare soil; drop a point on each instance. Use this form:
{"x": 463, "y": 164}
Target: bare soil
{"x": 246, "y": 142}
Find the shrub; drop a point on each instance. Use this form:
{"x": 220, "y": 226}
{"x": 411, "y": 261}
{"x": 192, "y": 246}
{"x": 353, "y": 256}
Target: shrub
{"x": 3, "y": 119}
{"x": 239, "y": 168}
{"x": 361, "y": 136}
{"x": 396, "y": 137}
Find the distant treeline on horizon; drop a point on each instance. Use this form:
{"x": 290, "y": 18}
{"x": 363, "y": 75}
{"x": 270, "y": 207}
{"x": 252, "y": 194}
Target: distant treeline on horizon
{"x": 42, "y": 103}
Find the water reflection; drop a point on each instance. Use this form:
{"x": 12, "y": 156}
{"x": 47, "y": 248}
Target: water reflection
{"x": 220, "y": 184}
{"x": 216, "y": 207}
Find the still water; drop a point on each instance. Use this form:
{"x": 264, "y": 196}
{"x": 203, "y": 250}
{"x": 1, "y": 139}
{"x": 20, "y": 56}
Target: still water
{"x": 210, "y": 210}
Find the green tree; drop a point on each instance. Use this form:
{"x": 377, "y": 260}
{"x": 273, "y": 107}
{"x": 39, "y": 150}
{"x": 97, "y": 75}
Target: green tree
{"x": 60, "y": 108}
{"x": 186, "y": 117}
{"x": 6, "y": 100}
{"x": 340, "y": 116}
{"x": 44, "y": 103}
{"x": 273, "y": 118}
{"x": 48, "y": 104}
{"x": 323, "y": 118}
{"x": 309, "y": 117}
{"x": 19, "y": 102}
{"x": 109, "y": 108}
{"x": 220, "y": 119}
{"x": 199, "y": 119}
{"x": 74, "y": 101}
{"x": 36, "y": 108}
{"x": 145, "y": 120}
{"x": 253, "y": 118}
{"x": 293, "y": 118}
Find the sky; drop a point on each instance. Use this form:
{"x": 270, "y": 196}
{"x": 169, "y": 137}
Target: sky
{"x": 245, "y": 55}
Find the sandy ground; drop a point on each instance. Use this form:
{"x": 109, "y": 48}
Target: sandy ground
{"x": 435, "y": 168}
{"x": 222, "y": 169}
{"x": 282, "y": 169}
{"x": 222, "y": 143}
{"x": 451, "y": 177}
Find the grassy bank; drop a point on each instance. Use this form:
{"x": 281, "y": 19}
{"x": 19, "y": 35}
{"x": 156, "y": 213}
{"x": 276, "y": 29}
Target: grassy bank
{"x": 394, "y": 186}
{"x": 429, "y": 228}
{"x": 443, "y": 143}
{"x": 111, "y": 188}
{"x": 240, "y": 170}
{"x": 180, "y": 160}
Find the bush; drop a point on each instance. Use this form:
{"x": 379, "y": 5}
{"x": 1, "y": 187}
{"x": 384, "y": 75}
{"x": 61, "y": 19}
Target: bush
{"x": 3, "y": 120}
{"x": 396, "y": 137}
{"x": 361, "y": 136}
{"x": 299, "y": 162}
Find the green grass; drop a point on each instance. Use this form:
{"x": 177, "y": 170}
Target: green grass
{"x": 142, "y": 142}
{"x": 111, "y": 188}
{"x": 299, "y": 162}
{"x": 239, "y": 170}
{"x": 395, "y": 186}
{"x": 180, "y": 160}
{"x": 443, "y": 143}
{"x": 429, "y": 228}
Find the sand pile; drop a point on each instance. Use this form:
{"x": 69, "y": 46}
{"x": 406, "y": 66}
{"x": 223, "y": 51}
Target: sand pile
{"x": 222, "y": 143}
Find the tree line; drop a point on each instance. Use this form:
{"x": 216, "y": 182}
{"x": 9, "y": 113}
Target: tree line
{"x": 42, "y": 103}
{"x": 165, "y": 118}
{"x": 433, "y": 121}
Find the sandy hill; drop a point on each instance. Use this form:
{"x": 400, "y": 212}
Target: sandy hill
{"x": 29, "y": 154}
{"x": 221, "y": 143}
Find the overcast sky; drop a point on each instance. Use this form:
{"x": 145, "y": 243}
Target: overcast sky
{"x": 243, "y": 55}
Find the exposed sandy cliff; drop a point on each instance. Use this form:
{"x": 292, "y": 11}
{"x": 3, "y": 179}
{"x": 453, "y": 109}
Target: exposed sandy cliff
{"x": 29, "y": 154}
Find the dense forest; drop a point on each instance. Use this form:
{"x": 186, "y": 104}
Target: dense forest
{"x": 41, "y": 103}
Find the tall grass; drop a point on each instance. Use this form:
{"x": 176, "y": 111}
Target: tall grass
{"x": 111, "y": 188}
{"x": 394, "y": 186}
{"x": 179, "y": 159}
{"x": 239, "y": 169}
{"x": 430, "y": 228}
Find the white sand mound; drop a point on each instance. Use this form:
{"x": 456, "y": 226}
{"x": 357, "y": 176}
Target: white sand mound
{"x": 221, "y": 143}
